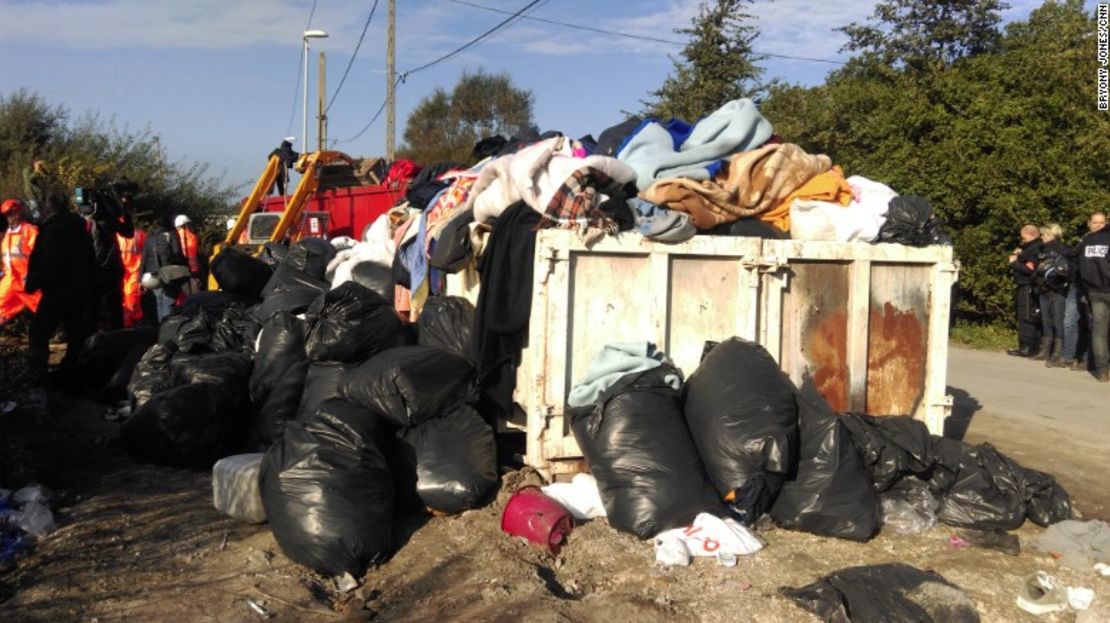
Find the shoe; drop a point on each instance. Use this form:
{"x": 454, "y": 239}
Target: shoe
{"x": 1015, "y": 352}
{"x": 1103, "y": 377}
{"x": 1041, "y": 595}
{"x": 1043, "y": 352}
{"x": 1079, "y": 365}
{"x": 1055, "y": 354}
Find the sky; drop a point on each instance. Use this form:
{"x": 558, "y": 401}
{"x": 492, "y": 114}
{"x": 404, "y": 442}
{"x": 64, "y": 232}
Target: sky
{"x": 219, "y": 80}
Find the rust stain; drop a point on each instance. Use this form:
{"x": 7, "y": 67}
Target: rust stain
{"x": 896, "y": 355}
{"x": 827, "y": 350}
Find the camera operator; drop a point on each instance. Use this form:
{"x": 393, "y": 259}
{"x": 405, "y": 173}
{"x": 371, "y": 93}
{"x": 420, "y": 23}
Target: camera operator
{"x": 107, "y": 214}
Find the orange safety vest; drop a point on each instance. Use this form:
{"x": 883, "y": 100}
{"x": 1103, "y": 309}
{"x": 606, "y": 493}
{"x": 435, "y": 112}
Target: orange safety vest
{"x": 189, "y": 248}
{"x": 15, "y": 253}
{"x": 131, "y": 252}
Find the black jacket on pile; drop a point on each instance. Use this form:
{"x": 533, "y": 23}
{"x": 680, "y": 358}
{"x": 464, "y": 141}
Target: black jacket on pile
{"x": 1094, "y": 261}
{"x": 1023, "y": 275}
{"x": 62, "y": 262}
{"x": 162, "y": 249}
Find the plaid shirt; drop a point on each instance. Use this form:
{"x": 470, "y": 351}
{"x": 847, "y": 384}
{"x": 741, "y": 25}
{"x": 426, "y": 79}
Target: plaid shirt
{"x": 575, "y": 203}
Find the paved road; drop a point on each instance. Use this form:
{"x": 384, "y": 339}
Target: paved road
{"x": 1051, "y": 419}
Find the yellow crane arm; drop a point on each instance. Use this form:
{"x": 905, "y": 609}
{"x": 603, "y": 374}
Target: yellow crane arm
{"x": 308, "y": 165}
{"x": 261, "y": 189}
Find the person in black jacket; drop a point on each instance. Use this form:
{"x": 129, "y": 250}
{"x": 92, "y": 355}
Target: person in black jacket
{"x": 107, "y": 216}
{"x": 1051, "y": 279}
{"x": 162, "y": 249}
{"x": 1077, "y": 314}
{"x": 1094, "y": 271}
{"x": 287, "y": 157}
{"x": 62, "y": 267}
{"x": 1022, "y": 262}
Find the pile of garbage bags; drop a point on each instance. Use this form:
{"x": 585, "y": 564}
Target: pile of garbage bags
{"x": 357, "y": 417}
{"x": 739, "y": 440}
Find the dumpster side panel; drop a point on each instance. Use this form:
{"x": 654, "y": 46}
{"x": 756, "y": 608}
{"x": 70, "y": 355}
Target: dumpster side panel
{"x": 815, "y": 331}
{"x": 897, "y": 347}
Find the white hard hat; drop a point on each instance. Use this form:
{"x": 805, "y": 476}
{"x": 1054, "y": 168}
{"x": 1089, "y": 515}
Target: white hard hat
{"x": 180, "y": 220}
{"x": 230, "y": 223}
{"x": 149, "y": 281}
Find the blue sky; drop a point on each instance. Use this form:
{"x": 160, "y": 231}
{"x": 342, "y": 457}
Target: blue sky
{"x": 217, "y": 79}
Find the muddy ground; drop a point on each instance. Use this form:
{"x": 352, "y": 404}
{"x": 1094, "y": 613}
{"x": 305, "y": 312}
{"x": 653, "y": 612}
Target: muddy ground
{"x": 143, "y": 543}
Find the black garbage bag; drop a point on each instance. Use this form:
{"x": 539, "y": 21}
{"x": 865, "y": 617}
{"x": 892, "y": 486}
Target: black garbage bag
{"x": 410, "y": 384}
{"x": 230, "y": 369}
{"x": 351, "y": 323}
{"x": 188, "y": 426}
{"x": 744, "y": 421}
{"x": 274, "y": 253}
{"x": 911, "y": 221}
{"x": 328, "y": 492}
{"x": 446, "y": 322}
{"x": 637, "y": 446}
{"x": 167, "y": 330}
{"x": 105, "y": 352}
{"x": 887, "y": 592}
{"x": 891, "y": 447}
{"x": 280, "y": 347}
{"x": 983, "y": 490}
{"x": 831, "y": 494}
{"x": 240, "y": 273}
{"x": 311, "y": 256}
{"x": 1046, "y": 502}
{"x": 151, "y": 375}
{"x": 236, "y": 330}
{"x": 456, "y": 460}
{"x": 289, "y": 290}
{"x": 214, "y": 303}
{"x": 321, "y": 383}
{"x": 195, "y": 334}
{"x": 374, "y": 276}
{"x": 114, "y": 389}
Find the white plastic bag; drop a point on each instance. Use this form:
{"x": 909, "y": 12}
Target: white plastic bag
{"x": 710, "y": 536}
{"x": 580, "y": 496}
{"x": 34, "y": 518}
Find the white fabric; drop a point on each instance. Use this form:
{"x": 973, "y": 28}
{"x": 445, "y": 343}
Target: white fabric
{"x": 580, "y": 496}
{"x": 533, "y": 175}
{"x": 710, "y": 536}
{"x": 377, "y": 246}
{"x": 811, "y": 219}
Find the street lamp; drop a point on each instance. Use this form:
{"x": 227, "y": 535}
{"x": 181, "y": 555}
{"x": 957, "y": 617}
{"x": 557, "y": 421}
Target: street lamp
{"x": 308, "y": 34}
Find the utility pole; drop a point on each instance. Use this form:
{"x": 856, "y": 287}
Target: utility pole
{"x": 390, "y": 68}
{"x": 322, "y": 117}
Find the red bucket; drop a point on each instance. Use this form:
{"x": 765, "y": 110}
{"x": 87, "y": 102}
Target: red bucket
{"x": 537, "y": 517}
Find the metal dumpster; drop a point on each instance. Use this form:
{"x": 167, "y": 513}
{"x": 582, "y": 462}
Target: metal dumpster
{"x": 868, "y": 322}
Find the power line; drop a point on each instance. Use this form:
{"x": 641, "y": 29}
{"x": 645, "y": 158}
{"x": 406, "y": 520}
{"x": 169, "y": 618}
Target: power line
{"x": 353, "y": 55}
{"x": 627, "y": 35}
{"x": 473, "y": 42}
{"x": 300, "y": 66}
{"x": 372, "y": 119}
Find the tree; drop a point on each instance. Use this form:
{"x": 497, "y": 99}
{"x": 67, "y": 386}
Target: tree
{"x": 716, "y": 66}
{"x": 90, "y": 151}
{"x": 446, "y": 126}
{"x": 927, "y": 32}
{"x": 994, "y": 140}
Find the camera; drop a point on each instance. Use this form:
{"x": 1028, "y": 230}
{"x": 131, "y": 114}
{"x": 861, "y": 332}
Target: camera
{"x": 104, "y": 200}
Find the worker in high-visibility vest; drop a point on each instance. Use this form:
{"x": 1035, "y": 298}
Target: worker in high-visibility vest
{"x": 190, "y": 248}
{"x": 15, "y": 251}
{"x": 131, "y": 252}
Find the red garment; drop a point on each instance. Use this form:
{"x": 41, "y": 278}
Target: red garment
{"x": 15, "y": 252}
{"x": 401, "y": 172}
{"x": 131, "y": 252}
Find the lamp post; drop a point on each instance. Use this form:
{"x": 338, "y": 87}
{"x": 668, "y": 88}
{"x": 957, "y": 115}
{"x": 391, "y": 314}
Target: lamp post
{"x": 308, "y": 34}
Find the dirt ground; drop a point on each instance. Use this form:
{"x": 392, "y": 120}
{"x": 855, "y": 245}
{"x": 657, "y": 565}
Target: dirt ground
{"x": 143, "y": 543}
